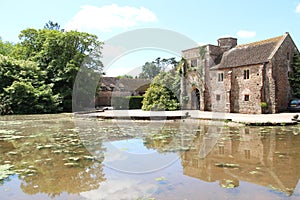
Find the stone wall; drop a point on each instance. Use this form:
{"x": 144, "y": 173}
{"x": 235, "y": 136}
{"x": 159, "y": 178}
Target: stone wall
{"x": 242, "y": 87}
{"x": 194, "y": 81}
{"x": 229, "y": 95}
{"x": 281, "y": 63}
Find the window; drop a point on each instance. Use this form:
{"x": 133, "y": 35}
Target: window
{"x": 246, "y": 74}
{"x": 246, "y": 97}
{"x": 247, "y": 131}
{"x": 288, "y": 56}
{"x": 103, "y": 88}
{"x": 194, "y": 63}
{"x": 218, "y": 97}
{"x": 247, "y": 154}
{"x": 220, "y": 77}
{"x": 221, "y": 150}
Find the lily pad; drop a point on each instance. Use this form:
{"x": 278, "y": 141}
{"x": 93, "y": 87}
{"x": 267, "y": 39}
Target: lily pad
{"x": 228, "y": 184}
{"x": 74, "y": 159}
{"x": 161, "y": 178}
{"x": 69, "y": 164}
{"x": 6, "y": 171}
{"x": 89, "y": 157}
{"x": 12, "y": 153}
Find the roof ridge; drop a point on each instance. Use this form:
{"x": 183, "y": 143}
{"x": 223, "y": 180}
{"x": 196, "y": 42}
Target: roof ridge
{"x": 260, "y": 42}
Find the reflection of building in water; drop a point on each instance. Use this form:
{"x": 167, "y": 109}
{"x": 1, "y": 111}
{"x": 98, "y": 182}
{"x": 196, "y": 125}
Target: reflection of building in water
{"x": 249, "y": 155}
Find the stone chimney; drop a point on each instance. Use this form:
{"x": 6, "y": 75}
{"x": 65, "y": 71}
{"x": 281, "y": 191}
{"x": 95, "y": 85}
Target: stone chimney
{"x": 227, "y": 43}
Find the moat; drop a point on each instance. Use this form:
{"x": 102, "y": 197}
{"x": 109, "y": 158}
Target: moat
{"x": 62, "y": 157}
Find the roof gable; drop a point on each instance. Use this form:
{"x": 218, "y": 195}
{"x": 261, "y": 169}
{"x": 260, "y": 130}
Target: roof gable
{"x": 252, "y": 53}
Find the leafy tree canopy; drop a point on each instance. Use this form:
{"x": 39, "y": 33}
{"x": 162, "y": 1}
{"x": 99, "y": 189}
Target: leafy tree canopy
{"x": 163, "y": 93}
{"x": 23, "y": 90}
{"x": 152, "y": 69}
{"x": 125, "y": 76}
{"x": 44, "y": 65}
{"x": 6, "y": 47}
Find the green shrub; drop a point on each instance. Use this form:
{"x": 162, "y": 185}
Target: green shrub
{"x": 128, "y": 102}
{"x": 263, "y": 105}
{"x": 158, "y": 97}
{"x": 135, "y": 102}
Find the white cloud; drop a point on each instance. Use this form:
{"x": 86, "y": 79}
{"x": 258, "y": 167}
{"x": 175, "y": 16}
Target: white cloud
{"x": 121, "y": 189}
{"x": 298, "y": 8}
{"x": 246, "y": 34}
{"x": 107, "y": 17}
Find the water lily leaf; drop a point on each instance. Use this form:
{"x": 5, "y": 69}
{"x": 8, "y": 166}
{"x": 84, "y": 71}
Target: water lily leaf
{"x": 228, "y": 184}
{"x": 74, "y": 158}
{"x": 71, "y": 164}
{"x": 7, "y": 132}
{"x": 12, "y": 153}
{"x": 161, "y": 178}
{"x": 89, "y": 157}
{"x": 6, "y": 171}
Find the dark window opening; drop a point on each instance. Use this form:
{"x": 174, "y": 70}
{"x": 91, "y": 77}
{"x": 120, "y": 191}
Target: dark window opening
{"x": 246, "y": 74}
{"x": 246, "y": 97}
{"x": 220, "y": 77}
{"x": 218, "y": 97}
{"x": 194, "y": 63}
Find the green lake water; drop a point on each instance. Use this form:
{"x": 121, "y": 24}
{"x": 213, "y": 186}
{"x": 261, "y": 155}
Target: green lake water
{"x": 65, "y": 157}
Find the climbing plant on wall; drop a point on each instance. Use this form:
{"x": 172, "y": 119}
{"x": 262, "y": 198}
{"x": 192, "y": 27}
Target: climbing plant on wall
{"x": 294, "y": 77}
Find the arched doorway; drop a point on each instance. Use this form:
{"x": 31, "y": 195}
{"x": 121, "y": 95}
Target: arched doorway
{"x": 195, "y": 97}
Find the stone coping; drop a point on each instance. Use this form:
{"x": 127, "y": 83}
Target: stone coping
{"x": 247, "y": 119}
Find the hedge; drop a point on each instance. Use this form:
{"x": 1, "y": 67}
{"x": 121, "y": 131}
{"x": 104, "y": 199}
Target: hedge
{"x": 128, "y": 102}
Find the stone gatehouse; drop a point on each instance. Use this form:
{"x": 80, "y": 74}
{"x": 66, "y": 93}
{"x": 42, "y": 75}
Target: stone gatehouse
{"x": 239, "y": 78}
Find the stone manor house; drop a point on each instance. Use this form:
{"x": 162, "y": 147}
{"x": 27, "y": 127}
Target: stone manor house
{"x": 240, "y": 78}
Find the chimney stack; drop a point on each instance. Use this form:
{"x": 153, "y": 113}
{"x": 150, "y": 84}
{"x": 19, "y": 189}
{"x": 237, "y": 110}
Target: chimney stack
{"x": 227, "y": 43}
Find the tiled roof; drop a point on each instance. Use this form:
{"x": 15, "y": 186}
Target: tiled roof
{"x": 249, "y": 54}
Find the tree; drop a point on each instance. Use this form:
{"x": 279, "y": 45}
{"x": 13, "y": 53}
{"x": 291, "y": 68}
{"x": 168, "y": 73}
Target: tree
{"x": 295, "y": 76}
{"x": 60, "y": 55}
{"x": 152, "y": 69}
{"x": 163, "y": 93}
{"x": 125, "y": 76}
{"x": 6, "y": 47}
{"x": 53, "y": 26}
{"x": 149, "y": 70}
{"x": 23, "y": 90}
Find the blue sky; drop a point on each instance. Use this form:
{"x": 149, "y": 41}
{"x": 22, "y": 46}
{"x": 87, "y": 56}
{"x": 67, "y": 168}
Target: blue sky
{"x": 202, "y": 21}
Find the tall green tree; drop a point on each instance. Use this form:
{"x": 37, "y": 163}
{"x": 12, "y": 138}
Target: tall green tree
{"x": 295, "y": 76}
{"x": 152, "y": 69}
{"x": 23, "y": 90}
{"x": 149, "y": 70}
{"x": 60, "y": 55}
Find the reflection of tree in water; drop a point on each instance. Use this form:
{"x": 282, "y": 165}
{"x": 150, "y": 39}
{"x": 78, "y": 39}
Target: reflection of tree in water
{"x": 50, "y": 158}
{"x": 73, "y": 180}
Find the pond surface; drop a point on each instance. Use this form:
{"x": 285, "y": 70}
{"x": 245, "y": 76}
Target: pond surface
{"x": 62, "y": 157}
